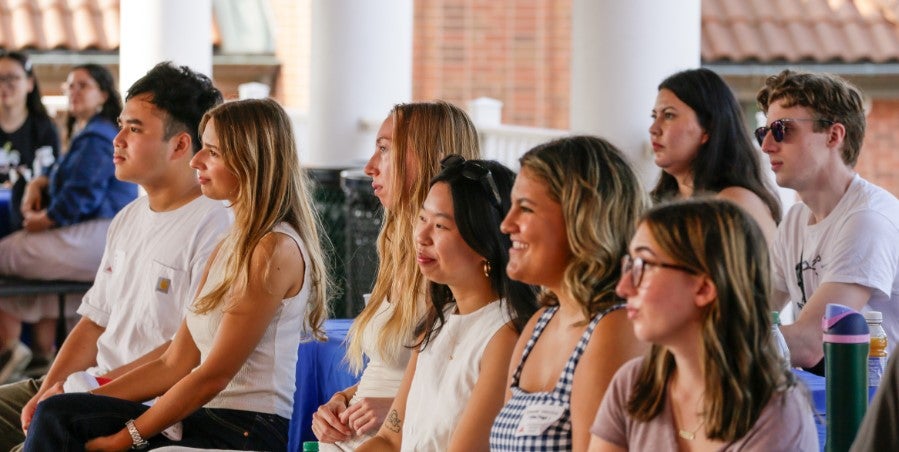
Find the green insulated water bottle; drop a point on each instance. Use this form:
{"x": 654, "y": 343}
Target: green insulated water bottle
{"x": 846, "y": 374}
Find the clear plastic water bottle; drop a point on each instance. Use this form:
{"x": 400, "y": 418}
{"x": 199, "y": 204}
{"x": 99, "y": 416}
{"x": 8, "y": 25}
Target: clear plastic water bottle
{"x": 877, "y": 353}
{"x": 779, "y": 342}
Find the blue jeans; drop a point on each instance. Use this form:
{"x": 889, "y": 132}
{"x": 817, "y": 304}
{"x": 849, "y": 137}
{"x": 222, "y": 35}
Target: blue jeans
{"x": 65, "y": 422}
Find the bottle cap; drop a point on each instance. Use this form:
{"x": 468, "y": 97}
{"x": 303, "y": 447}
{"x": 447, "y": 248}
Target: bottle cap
{"x": 873, "y": 316}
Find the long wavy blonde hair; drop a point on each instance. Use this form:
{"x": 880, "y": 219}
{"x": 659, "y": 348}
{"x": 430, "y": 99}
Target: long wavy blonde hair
{"x": 257, "y": 145}
{"x": 427, "y": 132}
{"x": 601, "y": 199}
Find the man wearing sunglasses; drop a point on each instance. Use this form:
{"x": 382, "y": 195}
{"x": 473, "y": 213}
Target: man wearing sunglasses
{"x": 840, "y": 244}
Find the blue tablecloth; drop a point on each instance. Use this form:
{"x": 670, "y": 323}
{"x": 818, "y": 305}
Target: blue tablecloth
{"x": 321, "y": 371}
{"x": 818, "y": 389}
{"x": 5, "y": 200}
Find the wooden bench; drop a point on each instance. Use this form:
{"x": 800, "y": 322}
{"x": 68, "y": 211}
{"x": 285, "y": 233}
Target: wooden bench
{"x": 16, "y": 287}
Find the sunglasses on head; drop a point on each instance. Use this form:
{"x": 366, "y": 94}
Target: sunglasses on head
{"x": 473, "y": 171}
{"x": 779, "y": 128}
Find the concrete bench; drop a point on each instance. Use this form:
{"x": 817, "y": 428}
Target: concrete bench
{"x": 16, "y": 287}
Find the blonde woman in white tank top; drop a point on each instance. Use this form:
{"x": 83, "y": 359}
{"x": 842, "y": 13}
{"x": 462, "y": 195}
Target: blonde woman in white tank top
{"x": 409, "y": 146}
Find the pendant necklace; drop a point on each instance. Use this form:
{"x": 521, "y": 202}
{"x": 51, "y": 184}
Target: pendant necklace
{"x": 690, "y": 435}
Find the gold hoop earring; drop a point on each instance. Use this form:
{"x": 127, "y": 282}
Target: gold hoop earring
{"x": 487, "y": 269}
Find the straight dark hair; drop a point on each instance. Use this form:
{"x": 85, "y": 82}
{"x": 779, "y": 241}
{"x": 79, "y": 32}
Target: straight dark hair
{"x": 183, "y": 94}
{"x": 477, "y": 219}
{"x": 728, "y": 158}
{"x": 33, "y": 101}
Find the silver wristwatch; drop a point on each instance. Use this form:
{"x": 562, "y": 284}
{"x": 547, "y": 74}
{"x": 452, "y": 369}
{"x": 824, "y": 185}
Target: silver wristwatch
{"x": 137, "y": 441}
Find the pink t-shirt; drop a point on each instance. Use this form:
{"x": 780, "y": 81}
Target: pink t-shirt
{"x": 785, "y": 424}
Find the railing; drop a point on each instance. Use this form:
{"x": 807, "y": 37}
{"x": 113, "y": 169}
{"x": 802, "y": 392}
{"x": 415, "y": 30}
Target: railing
{"x": 506, "y": 144}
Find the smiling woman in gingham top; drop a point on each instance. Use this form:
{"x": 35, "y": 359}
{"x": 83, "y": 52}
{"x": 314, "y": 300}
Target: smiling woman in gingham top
{"x": 575, "y": 204}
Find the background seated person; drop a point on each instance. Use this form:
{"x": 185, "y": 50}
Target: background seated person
{"x": 63, "y": 236}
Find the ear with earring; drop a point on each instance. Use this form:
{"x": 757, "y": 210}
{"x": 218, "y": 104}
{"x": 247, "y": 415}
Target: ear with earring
{"x": 487, "y": 268}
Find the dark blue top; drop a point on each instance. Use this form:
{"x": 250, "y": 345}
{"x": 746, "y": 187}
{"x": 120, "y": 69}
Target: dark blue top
{"x": 83, "y": 185}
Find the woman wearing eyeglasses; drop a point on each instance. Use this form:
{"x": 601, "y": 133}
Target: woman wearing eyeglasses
{"x": 700, "y": 141}
{"x": 455, "y": 382}
{"x": 25, "y": 127}
{"x": 67, "y": 212}
{"x": 696, "y": 282}
{"x": 574, "y": 206}
{"x": 408, "y": 149}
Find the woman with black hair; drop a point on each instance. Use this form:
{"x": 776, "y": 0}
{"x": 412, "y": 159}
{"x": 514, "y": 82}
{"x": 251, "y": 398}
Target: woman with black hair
{"x": 26, "y": 131}
{"x": 702, "y": 144}
{"x": 455, "y": 381}
{"x": 66, "y": 214}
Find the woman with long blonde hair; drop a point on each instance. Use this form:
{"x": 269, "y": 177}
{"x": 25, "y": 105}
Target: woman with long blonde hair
{"x": 235, "y": 353}
{"x": 410, "y": 144}
{"x": 696, "y": 281}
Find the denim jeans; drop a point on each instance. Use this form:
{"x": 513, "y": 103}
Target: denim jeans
{"x": 65, "y": 422}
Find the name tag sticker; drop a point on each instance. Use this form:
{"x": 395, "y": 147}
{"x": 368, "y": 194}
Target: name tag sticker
{"x": 537, "y": 418}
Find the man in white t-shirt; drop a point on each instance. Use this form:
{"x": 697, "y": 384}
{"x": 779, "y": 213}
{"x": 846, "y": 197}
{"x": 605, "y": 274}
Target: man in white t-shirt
{"x": 841, "y": 243}
{"x": 156, "y": 247}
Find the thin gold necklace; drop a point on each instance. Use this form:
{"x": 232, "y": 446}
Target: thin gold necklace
{"x": 690, "y": 435}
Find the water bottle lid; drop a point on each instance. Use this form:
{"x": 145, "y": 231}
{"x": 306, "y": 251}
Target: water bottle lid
{"x": 843, "y": 325}
{"x": 310, "y": 446}
{"x": 873, "y": 316}
{"x": 775, "y": 318}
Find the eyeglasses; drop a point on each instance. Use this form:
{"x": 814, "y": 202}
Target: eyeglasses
{"x": 779, "y": 128}
{"x": 473, "y": 171}
{"x": 636, "y": 265}
{"x": 10, "y": 79}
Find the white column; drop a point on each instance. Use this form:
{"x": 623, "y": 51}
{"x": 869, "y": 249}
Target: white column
{"x": 361, "y": 66}
{"x": 164, "y": 30}
{"x": 621, "y": 51}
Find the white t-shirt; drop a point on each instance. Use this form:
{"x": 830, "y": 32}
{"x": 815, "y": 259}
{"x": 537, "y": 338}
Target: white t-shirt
{"x": 858, "y": 242}
{"x": 445, "y": 374}
{"x": 151, "y": 266}
{"x": 265, "y": 383}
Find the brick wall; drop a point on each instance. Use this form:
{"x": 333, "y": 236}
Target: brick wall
{"x": 879, "y": 159}
{"x": 517, "y": 52}
{"x": 292, "y": 32}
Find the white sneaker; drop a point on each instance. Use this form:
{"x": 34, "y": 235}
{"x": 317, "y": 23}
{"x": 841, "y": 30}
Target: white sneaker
{"x": 14, "y": 361}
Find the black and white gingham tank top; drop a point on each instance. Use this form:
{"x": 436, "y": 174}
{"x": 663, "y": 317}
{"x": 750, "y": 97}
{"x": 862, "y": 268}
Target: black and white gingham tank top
{"x": 556, "y": 437}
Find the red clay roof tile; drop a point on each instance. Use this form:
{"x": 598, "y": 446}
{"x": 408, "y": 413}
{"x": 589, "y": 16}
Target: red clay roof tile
{"x": 800, "y": 31}
{"x": 847, "y": 31}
